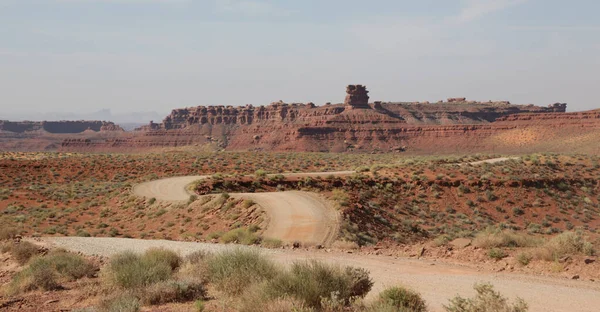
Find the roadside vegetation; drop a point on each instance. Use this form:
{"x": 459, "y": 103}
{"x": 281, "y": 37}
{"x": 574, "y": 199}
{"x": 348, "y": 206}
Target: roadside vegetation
{"x": 235, "y": 280}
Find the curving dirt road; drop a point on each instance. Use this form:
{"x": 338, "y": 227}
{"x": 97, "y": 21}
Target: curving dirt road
{"x": 293, "y": 216}
{"x": 437, "y": 282}
{"x": 297, "y": 216}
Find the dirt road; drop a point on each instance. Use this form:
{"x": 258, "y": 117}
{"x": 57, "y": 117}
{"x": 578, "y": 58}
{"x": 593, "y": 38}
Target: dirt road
{"x": 437, "y": 282}
{"x": 293, "y": 216}
{"x": 297, "y": 216}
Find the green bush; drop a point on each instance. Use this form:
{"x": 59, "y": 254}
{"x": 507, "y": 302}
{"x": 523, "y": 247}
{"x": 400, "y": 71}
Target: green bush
{"x": 402, "y": 299}
{"x": 129, "y": 270}
{"x": 487, "y": 299}
{"x": 70, "y": 265}
{"x": 311, "y": 281}
{"x": 233, "y": 271}
{"x": 161, "y": 255}
{"x": 241, "y": 236}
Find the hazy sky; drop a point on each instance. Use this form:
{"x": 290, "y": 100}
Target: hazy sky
{"x": 155, "y": 55}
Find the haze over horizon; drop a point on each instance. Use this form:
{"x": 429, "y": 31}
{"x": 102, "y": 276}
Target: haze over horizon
{"x": 83, "y": 56}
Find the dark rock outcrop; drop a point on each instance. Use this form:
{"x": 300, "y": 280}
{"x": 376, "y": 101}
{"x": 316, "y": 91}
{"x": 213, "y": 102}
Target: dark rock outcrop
{"x": 57, "y": 126}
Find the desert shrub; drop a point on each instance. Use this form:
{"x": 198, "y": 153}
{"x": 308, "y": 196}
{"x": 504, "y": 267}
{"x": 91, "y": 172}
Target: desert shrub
{"x": 192, "y": 199}
{"x": 70, "y": 266}
{"x": 161, "y": 255}
{"x": 524, "y": 258}
{"x": 362, "y": 169}
{"x": 129, "y": 270}
{"x": 45, "y": 272}
{"x": 242, "y": 236}
{"x": 39, "y": 274}
{"x": 271, "y": 243}
{"x": 497, "y": 253}
{"x": 255, "y": 299}
{"x": 402, "y": 299}
{"x": 121, "y": 303}
{"x": 260, "y": 173}
{"x": 199, "y": 305}
{"x": 8, "y": 232}
{"x": 486, "y": 299}
{"x": 197, "y": 257}
{"x": 495, "y": 238}
{"x": 311, "y": 281}
{"x": 564, "y": 244}
{"x": 172, "y": 291}
{"x": 23, "y": 251}
{"x": 233, "y": 271}
{"x": 248, "y": 203}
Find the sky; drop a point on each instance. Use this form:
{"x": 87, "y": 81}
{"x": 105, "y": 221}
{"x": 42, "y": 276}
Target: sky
{"x": 81, "y": 56}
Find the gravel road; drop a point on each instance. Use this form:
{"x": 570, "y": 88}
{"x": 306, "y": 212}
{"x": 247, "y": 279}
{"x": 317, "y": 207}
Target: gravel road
{"x": 293, "y": 216}
{"x": 437, "y": 282}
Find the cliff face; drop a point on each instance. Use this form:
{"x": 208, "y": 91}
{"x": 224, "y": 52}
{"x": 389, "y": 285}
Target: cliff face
{"x": 57, "y": 126}
{"x": 456, "y": 125}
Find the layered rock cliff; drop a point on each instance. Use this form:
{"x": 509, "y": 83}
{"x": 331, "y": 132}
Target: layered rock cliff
{"x": 455, "y": 125}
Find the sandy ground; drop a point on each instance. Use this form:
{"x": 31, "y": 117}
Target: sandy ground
{"x": 437, "y": 282}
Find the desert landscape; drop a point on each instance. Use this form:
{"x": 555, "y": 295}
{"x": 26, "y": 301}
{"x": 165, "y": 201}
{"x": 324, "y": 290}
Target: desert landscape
{"x": 239, "y": 209}
{"x": 299, "y": 156}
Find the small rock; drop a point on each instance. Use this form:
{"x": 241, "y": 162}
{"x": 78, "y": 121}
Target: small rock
{"x": 564, "y": 259}
{"x": 50, "y": 301}
{"x": 588, "y": 261}
{"x": 575, "y": 277}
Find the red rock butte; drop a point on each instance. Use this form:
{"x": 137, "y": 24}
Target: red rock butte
{"x": 457, "y": 125}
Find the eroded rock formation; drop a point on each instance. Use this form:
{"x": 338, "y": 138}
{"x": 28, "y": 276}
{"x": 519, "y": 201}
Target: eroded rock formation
{"x": 356, "y": 97}
{"x": 457, "y": 125}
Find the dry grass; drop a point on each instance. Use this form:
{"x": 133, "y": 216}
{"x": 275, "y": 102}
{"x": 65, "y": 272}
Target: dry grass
{"x": 486, "y": 299}
{"x": 47, "y": 272}
{"x": 565, "y": 244}
{"x": 130, "y": 271}
{"x": 402, "y": 299}
{"x": 495, "y": 238}
{"x": 233, "y": 271}
{"x": 23, "y": 251}
{"x": 311, "y": 281}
